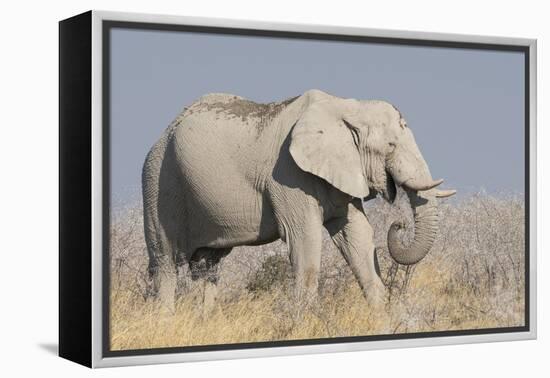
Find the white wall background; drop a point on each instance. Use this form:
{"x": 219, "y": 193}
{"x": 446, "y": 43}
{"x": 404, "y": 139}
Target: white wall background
{"x": 28, "y": 171}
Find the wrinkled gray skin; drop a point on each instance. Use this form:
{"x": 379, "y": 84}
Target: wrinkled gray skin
{"x": 229, "y": 172}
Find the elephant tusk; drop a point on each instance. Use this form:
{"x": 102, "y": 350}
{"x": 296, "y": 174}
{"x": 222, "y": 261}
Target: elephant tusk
{"x": 436, "y": 183}
{"x": 411, "y": 184}
{"x": 444, "y": 193}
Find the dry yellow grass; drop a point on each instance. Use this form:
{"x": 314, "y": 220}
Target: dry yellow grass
{"x": 473, "y": 278}
{"x": 137, "y": 323}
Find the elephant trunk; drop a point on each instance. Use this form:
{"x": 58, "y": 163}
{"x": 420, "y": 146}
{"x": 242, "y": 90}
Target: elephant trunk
{"x": 425, "y": 211}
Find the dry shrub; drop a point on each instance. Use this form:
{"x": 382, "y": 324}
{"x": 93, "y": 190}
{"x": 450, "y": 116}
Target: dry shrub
{"x": 274, "y": 272}
{"x": 472, "y": 278}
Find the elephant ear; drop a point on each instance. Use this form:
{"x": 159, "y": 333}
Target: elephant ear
{"x": 322, "y": 144}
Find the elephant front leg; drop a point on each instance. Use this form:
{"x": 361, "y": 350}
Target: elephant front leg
{"x": 304, "y": 241}
{"x": 353, "y": 236}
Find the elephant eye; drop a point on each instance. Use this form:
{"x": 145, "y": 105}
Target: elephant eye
{"x": 391, "y": 147}
{"x": 354, "y": 132}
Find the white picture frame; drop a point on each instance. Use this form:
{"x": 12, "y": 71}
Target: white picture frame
{"x": 86, "y": 36}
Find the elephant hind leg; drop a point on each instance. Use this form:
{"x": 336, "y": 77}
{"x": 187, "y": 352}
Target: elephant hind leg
{"x": 204, "y": 265}
{"x": 162, "y": 270}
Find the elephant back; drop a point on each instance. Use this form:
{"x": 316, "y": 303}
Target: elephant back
{"x": 232, "y": 107}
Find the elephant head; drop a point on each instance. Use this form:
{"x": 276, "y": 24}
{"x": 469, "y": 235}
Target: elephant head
{"x": 363, "y": 148}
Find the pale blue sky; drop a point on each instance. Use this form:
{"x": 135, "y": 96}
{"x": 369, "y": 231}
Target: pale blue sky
{"x": 465, "y": 107}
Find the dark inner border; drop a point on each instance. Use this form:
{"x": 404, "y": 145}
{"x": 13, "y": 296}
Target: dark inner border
{"x": 109, "y": 25}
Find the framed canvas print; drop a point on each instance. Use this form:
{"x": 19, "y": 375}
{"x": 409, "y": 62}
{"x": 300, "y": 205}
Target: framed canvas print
{"x": 234, "y": 189}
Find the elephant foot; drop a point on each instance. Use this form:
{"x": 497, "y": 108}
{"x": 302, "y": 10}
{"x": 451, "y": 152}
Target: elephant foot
{"x": 302, "y": 301}
{"x": 162, "y": 286}
{"x": 210, "y": 292}
{"x": 375, "y": 294}
{"x": 166, "y": 297}
{"x": 184, "y": 282}
{"x": 167, "y": 308}
{"x": 166, "y": 300}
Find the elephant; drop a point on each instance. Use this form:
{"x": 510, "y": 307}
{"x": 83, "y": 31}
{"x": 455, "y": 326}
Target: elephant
{"x": 230, "y": 172}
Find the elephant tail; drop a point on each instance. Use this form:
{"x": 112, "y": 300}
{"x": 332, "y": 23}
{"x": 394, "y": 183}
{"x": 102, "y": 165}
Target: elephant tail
{"x": 150, "y": 185}
{"x": 150, "y": 179}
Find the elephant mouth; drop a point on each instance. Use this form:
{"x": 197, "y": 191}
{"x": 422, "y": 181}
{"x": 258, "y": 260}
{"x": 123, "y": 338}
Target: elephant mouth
{"x": 390, "y": 191}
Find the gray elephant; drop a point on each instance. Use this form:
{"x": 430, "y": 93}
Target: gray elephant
{"x": 230, "y": 172}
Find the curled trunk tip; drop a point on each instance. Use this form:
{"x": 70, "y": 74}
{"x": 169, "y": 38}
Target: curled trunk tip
{"x": 425, "y": 213}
